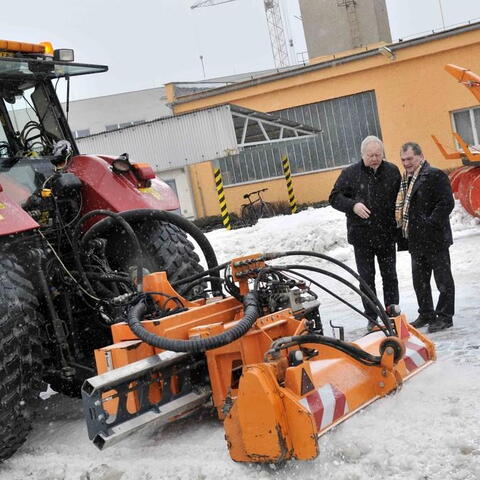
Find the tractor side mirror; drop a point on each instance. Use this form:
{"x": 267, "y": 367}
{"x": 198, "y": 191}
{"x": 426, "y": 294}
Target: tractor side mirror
{"x": 62, "y": 150}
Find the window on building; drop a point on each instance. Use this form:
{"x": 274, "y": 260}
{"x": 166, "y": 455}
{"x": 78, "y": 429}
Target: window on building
{"x": 81, "y": 133}
{"x": 466, "y": 123}
{"x": 344, "y": 121}
{"x": 118, "y": 126}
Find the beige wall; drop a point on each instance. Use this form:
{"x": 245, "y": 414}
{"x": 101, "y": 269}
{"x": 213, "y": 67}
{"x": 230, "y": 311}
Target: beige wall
{"x": 329, "y": 29}
{"x": 414, "y": 98}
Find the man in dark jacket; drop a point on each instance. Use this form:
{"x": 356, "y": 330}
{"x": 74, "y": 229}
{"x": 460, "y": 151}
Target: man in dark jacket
{"x": 424, "y": 204}
{"x": 366, "y": 192}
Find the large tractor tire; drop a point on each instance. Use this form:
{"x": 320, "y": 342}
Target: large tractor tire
{"x": 166, "y": 248}
{"x": 20, "y": 355}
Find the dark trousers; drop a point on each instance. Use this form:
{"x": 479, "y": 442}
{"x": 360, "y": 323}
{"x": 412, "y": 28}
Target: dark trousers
{"x": 422, "y": 266}
{"x": 386, "y": 258}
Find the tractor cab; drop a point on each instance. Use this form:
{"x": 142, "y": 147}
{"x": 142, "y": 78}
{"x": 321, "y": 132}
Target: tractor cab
{"x": 32, "y": 118}
{"x": 35, "y": 138}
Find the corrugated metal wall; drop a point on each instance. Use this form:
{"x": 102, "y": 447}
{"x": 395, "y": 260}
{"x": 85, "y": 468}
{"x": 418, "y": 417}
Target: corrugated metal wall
{"x": 344, "y": 122}
{"x": 170, "y": 142}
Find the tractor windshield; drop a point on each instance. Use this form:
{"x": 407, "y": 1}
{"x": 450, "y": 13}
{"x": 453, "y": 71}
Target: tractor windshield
{"x": 32, "y": 69}
{"x": 32, "y": 119}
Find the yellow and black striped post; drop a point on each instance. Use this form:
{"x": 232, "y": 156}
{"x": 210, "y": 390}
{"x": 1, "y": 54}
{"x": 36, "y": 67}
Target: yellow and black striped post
{"x": 221, "y": 199}
{"x": 288, "y": 177}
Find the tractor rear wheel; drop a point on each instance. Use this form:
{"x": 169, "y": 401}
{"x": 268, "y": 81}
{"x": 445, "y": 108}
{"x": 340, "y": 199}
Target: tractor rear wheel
{"x": 20, "y": 354}
{"x": 166, "y": 248}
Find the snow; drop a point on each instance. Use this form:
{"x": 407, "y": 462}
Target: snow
{"x": 429, "y": 430}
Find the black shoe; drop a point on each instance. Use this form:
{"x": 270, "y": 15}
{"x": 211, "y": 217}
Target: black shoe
{"x": 393, "y": 310}
{"x": 371, "y": 326}
{"x": 422, "y": 320}
{"x": 440, "y": 323}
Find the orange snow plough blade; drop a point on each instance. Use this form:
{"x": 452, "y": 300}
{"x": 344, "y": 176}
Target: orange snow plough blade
{"x": 279, "y": 414}
{"x": 260, "y": 357}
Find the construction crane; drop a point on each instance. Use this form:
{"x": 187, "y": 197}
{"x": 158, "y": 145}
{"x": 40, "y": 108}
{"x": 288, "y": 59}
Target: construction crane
{"x": 276, "y": 29}
{"x": 352, "y": 17}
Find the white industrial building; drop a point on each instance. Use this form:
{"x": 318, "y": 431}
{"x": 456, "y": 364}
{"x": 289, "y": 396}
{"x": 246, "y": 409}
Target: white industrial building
{"x": 141, "y": 124}
{"x": 172, "y": 143}
{"x": 111, "y": 112}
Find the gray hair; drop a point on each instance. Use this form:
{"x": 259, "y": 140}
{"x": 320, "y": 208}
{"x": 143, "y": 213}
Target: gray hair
{"x": 414, "y": 146}
{"x": 367, "y": 140}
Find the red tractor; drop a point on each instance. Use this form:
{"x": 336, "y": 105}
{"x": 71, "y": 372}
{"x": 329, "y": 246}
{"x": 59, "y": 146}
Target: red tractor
{"x": 77, "y": 233}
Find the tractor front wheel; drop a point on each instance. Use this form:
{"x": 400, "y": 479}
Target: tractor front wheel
{"x": 166, "y": 248}
{"x": 20, "y": 354}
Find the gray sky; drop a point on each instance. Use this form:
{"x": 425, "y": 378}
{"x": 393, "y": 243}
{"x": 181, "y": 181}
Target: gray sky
{"x": 151, "y": 42}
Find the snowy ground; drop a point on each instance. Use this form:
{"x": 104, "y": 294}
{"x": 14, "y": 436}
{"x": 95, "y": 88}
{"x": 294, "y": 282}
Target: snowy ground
{"x": 430, "y": 430}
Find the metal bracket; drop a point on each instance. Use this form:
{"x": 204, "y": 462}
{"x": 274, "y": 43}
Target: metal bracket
{"x": 135, "y": 380}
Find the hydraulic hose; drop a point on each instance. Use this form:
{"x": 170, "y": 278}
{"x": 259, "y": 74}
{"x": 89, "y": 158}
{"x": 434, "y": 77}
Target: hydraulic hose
{"x": 36, "y": 256}
{"x": 200, "y": 275}
{"x": 113, "y": 217}
{"x": 379, "y": 307}
{"x": 365, "y": 297}
{"x": 333, "y": 294}
{"x": 164, "y": 216}
{"x": 199, "y": 281}
{"x": 251, "y": 313}
{"x": 352, "y": 350}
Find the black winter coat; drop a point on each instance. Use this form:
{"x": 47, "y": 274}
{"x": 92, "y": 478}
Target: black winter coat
{"x": 431, "y": 203}
{"x": 377, "y": 190}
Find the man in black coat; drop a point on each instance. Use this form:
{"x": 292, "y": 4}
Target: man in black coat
{"x": 366, "y": 192}
{"x": 424, "y": 204}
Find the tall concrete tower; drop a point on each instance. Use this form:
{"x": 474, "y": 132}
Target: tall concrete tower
{"x": 332, "y": 26}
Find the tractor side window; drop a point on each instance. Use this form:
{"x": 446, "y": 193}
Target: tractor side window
{"x": 45, "y": 111}
{"x": 25, "y": 176}
{"x": 33, "y": 121}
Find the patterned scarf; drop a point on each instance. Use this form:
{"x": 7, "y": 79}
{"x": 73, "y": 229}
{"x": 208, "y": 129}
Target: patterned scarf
{"x": 403, "y": 199}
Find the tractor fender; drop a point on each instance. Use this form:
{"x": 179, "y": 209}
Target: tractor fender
{"x": 13, "y": 219}
{"x": 105, "y": 189}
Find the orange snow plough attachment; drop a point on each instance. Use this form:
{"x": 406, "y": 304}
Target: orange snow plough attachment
{"x": 259, "y": 356}
{"x": 280, "y": 412}
{"x": 465, "y": 181}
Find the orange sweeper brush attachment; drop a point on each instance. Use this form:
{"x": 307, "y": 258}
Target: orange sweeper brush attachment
{"x": 256, "y": 352}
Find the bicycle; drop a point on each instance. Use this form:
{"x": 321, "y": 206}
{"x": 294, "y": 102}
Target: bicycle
{"x": 255, "y": 209}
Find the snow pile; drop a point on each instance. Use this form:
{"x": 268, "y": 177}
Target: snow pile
{"x": 320, "y": 230}
{"x": 462, "y": 221}
{"x": 317, "y": 229}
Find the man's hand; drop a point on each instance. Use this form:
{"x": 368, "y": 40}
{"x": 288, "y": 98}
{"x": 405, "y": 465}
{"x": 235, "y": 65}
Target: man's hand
{"x": 361, "y": 210}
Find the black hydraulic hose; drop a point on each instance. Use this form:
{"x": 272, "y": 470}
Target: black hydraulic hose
{"x": 350, "y": 349}
{"x": 380, "y": 310}
{"x": 126, "y": 226}
{"x": 201, "y": 280}
{"x": 164, "y": 216}
{"x": 37, "y": 255}
{"x": 333, "y": 294}
{"x": 251, "y": 313}
{"x": 200, "y": 274}
{"x": 108, "y": 277}
{"x": 336, "y": 277}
